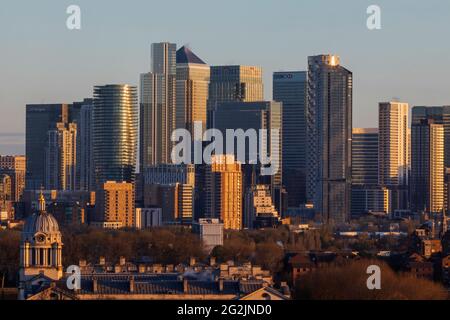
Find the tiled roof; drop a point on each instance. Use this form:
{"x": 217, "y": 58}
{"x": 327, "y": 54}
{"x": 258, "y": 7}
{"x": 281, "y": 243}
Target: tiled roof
{"x": 113, "y": 284}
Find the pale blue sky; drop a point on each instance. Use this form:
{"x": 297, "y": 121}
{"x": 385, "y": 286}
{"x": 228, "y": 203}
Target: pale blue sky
{"x": 42, "y": 61}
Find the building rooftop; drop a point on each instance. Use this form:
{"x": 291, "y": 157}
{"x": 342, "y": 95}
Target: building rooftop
{"x": 185, "y": 55}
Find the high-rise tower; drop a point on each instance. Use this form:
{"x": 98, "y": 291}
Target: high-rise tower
{"x": 157, "y": 106}
{"x": 114, "y": 124}
{"x": 329, "y": 131}
{"x": 290, "y": 89}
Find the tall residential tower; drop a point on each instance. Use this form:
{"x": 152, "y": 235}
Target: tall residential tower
{"x": 114, "y": 123}
{"x": 329, "y": 132}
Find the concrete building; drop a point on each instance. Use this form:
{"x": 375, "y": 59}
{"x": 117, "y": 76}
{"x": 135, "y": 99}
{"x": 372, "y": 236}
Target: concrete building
{"x": 427, "y": 167}
{"x": 157, "y": 106}
{"x": 15, "y": 167}
{"x": 171, "y": 187}
{"x": 367, "y": 196}
{"x": 394, "y": 151}
{"x": 370, "y": 199}
{"x": 290, "y": 89}
{"x": 115, "y": 203}
{"x": 365, "y": 156}
{"x": 61, "y": 157}
{"x": 114, "y": 125}
{"x": 170, "y": 174}
{"x": 440, "y": 115}
{"x": 259, "y": 211}
{"x": 224, "y": 191}
{"x": 329, "y": 131}
{"x": 191, "y": 90}
{"x": 210, "y": 232}
{"x": 148, "y": 218}
{"x": 176, "y": 201}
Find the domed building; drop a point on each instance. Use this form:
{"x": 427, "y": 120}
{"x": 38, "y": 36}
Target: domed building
{"x": 40, "y": 249}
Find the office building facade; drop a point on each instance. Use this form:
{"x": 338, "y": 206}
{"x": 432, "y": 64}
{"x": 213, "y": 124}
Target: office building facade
{"x": 61, "y": 157}
{"x": 329, "y": 131}
{"x": 427, "y": 167}
{"x": 82, "y": 115}
{"x": 114, "y": 133}
{"x": 365, "y": 156}
{"x": 224, "y": 191}
{"x": 234, "y": 83}
{"x": 157, "y": 106}
{"x": 290, "y": 89}
{"x": 40, "y": 118}
{"x": 265, "y": 116}
{"x": 191, "y": 90}
{"x": 115, "y": 204}
{"x": 15, "y": 167}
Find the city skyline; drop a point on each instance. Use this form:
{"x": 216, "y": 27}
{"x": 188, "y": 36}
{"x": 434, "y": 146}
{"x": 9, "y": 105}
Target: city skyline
{"x": 363, "y": 51}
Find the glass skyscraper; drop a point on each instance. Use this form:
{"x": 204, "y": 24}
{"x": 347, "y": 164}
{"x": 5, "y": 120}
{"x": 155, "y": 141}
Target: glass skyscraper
{"x": 440, "y": 115}
{"x": 157, "y": 106}
{"x": 192, "y": 89}
{"x": 234, "y": 84}
{"x": 365, "y": 156}
{"x": 255, "y": 115}
{"x": 290, "y": 89}
{"x": 329, "y": 131}
{"x": 114, "y": 124}
{"x": 427, "y": 166}
{"x": 40, "y": 118}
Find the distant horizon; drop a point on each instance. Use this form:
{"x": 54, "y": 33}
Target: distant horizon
{"x": 44, "y": 62}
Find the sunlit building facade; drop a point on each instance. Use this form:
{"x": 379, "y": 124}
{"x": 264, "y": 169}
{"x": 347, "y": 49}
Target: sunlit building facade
{"x": 224, "y": 191}
{"x": 329, "y": 131}
{"x": 114, "y": 124}
{"x": 427, "y": 167}
{"x": 61, "y": 157}
{"x": 157, "y": 106}
{"x": 191, "y": 89}
{"x": 15, "y": 167}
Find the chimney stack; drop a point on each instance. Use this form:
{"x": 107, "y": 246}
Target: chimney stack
{"x": 132, "y": 284}
{"x": 122, "y": 260}
{"x": 185, "y": 286}
{"x": 212, "y": 261}
{"x": 192, "y": 261}
{"x": 102, "y": 261}
{"x": 94, "y": 285}
{"x": 221, "y": 285}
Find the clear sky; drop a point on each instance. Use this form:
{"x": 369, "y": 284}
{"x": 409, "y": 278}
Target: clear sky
{"x": 41, "y": 61}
